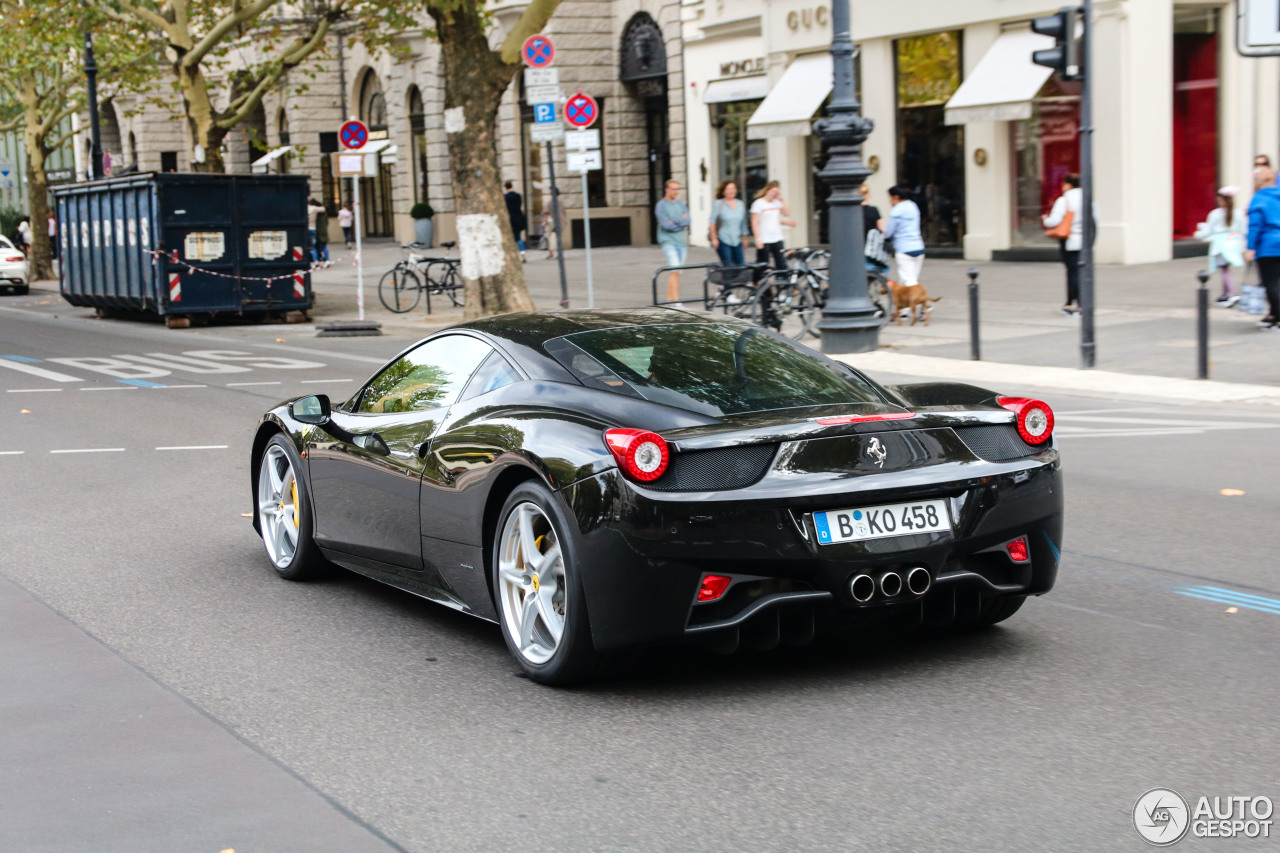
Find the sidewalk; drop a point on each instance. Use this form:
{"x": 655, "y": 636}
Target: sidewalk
{"x": 1144, "y": 322}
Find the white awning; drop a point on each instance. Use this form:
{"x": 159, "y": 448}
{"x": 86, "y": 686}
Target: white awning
{"x": 263, "y": 162}
{"x": 372, "y": 147}
{"x": 1002, "y": 86}
{"x": 789, "y": 108}
{"x": 736, "y": 89}
{"x": 389, "y": 154}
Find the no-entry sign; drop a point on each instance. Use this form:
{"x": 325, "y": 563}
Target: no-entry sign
{"x": 538, "y": 51}
{"x": 353, "y": 134}
{"x": 581, "y": 110}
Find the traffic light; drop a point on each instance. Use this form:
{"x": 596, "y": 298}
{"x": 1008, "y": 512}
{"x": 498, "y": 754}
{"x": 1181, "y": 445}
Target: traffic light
{"x": 1063, "y": 57}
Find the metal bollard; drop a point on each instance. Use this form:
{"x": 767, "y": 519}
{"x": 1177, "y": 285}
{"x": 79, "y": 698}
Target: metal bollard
{"x": 975, "y": 348}
{"x": 1202, "y": 326}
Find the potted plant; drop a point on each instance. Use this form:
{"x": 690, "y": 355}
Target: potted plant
{"x": 422, "y": 224}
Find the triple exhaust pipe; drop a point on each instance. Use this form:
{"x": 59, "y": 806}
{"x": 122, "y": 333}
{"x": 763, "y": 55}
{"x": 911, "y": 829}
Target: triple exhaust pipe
{"x": 891, "y": 584}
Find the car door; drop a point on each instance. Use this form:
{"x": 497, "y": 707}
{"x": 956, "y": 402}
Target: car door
{"x": 366, "y": 467}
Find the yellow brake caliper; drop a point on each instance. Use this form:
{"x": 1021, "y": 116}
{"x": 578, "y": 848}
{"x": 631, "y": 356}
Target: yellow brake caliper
{"x": 294, "y": 490}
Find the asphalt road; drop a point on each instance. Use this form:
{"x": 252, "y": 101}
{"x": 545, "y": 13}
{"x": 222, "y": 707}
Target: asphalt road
{"x": 162, "y": 690}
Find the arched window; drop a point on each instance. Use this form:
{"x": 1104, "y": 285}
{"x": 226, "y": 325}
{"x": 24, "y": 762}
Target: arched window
{"x": 418, "y": 143}
{"x": 373, "y": 106}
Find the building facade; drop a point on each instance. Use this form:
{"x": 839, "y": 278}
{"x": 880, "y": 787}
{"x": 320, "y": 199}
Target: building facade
{"x": 625, "y": 53}
{"x": 979, "y": 133}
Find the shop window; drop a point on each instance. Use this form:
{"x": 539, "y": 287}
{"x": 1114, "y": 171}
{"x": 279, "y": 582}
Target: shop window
{"x": 1046, "y": 148}
{"x": 1195, "y": 116}
{"x": 168, "y": 161}
{"x": 743, "y": 161}
{"x": 597, "y": 195}
{"x": 930, "y": 152}
{"x": 329, "y": 186}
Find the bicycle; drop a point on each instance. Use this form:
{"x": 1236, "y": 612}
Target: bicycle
{"x": 400, "y": 288}
{"x": 813, "y": 265}
{"x": 765, "y": 297}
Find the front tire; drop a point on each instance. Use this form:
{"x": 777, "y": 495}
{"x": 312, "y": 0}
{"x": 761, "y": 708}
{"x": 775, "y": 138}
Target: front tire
{"x": 399, "y": 290}
{"x": 284, "y": 513}
{"x": 538, "y": 590}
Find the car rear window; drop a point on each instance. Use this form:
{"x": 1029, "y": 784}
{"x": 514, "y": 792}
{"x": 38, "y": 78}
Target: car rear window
{"x": 713, "y": 369}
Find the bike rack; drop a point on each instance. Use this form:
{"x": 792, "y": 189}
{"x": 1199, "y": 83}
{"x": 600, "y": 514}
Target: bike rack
{"x": 661, "y": 270}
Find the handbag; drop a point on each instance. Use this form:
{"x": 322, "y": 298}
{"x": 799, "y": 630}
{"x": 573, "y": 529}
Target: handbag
{"x": 1062, "y": 230}
{"x": 1253, "y": 297}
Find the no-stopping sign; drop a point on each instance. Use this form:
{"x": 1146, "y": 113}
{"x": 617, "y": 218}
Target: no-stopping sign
{"x": 581, "y": 110}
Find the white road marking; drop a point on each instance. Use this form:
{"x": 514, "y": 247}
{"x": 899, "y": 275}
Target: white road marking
{"x": 314, "y": 381}
{"x": 1159, "y": 422}
{"x": 23, "y": 367}
{"x": 1128, "y": 434}
{"x": 247, "y": 384}
{"x": 31, "y": 390}
{"x": 196, "y": 447}
{"x": 11, "y": 452}
{"x": 186, "y": 386}
{"x": 92, "y": 450}
{"x": 113, "y": 388}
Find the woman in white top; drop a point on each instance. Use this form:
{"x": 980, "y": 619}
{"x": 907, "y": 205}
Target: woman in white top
{"x": 1225, "y": 230}
{"x": 1071, "y": 201}
{"x": 767, "y": 218}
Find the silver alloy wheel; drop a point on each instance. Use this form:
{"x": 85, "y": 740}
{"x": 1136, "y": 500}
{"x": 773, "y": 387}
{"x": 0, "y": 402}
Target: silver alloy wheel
{"x": 531, "y": 582}
{"x": 278, "y": 508}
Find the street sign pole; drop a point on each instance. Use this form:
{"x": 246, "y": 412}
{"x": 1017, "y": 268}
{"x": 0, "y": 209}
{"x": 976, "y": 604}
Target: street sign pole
{"x": 586, "y": 234}
{"x": 356, "y": 221}
{"x": 555, "y": 222}
{"x": 1088, "y": 347}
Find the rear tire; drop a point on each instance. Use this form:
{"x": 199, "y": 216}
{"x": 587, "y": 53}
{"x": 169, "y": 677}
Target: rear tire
{"x": 285, "y": 518}
{"x": 22, "y": 289}
{"x": 542, "y": 610}
{"x": 399, "y": 290}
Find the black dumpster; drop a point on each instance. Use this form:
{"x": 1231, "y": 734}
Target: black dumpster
{"x": 186, "y": 244}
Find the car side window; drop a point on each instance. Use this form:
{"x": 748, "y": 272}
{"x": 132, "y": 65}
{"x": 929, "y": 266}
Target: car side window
{"x": 492, "y": 375}
{"x": 428, "y": 377}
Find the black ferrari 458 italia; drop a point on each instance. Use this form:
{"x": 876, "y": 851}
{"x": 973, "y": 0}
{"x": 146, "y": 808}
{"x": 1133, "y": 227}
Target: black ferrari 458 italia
{"x": 597, "y": 481}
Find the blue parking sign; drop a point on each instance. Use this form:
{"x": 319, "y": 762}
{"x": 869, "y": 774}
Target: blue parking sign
{"x": 544, "y": 113}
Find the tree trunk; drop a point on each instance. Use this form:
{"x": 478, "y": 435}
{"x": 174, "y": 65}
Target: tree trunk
{"x": 475, "y": 79}
{"x": 40, "y": 257}
{"x": 200, "y": 113}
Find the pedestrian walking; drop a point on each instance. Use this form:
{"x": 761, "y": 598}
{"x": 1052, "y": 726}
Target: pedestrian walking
{"x": 1224, "y": 229}
{"x": 903, "y": 228}
{"x": 550, "y": 236}
{"x": 515, "y": 213}
{"x": 673, "y": 224}
{"x": 728, "y": 224}
{"x": 53, "y": 235}
{"x": 1064, "y": 224}
{"x": 769, "y": 212}
{"x": 24, "y": 236}
{"x": 314, "y": 208}
{"x": 322, "y": 236}
{"x": 346, "y": 219}
{"x": 1264, "y": 240}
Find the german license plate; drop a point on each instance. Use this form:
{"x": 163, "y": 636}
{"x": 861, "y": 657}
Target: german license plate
{"x": 879, "y": 522}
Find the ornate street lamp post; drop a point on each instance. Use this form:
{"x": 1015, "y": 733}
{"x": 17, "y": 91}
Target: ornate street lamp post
{"x": 95, "y": 134}
{"x": 849, "y": 322}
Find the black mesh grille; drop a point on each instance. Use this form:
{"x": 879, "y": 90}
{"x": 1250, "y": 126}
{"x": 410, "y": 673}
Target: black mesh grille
{"x": 995, "y": 442}
{"x": 716, "y": 470}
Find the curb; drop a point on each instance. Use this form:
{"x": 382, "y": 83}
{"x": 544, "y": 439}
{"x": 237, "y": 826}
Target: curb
{"x": 1123, "y": 385}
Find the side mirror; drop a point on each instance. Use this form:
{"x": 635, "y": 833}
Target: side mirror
{"x": 314, "y": 409}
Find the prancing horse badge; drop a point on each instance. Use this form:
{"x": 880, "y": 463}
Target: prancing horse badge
{"x": 877, "y": 452}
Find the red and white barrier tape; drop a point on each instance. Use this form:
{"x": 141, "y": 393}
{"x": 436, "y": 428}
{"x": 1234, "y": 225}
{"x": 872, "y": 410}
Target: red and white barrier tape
{"x": 299, "y": 277}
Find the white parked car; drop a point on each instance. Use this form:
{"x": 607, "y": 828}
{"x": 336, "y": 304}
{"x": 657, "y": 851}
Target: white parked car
{"x": 13, "y": 267}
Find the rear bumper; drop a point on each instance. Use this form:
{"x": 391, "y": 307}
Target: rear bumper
{"x": 643, "y": 553}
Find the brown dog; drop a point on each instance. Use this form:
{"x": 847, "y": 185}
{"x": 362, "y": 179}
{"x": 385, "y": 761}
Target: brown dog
{"x": 913, "y": 298}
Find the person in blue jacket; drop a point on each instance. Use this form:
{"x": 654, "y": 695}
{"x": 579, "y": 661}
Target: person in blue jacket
{"x": 1264, "y": 240}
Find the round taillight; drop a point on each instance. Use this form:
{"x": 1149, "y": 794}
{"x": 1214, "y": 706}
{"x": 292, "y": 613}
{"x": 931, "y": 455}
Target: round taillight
{"x": 1034, "y": 418}
{"x": 641, "y": 454}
